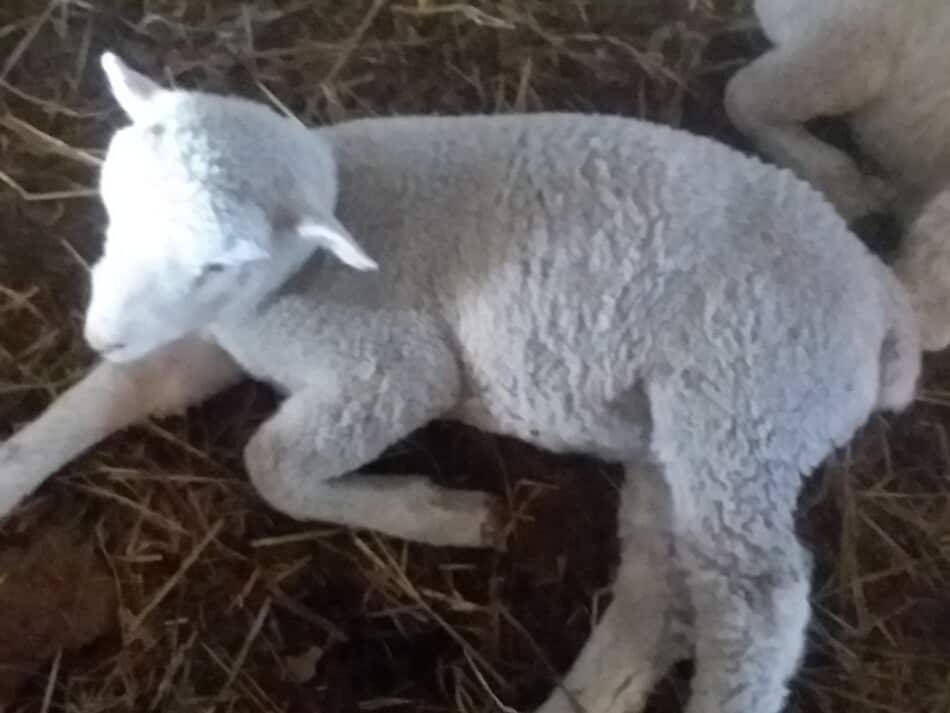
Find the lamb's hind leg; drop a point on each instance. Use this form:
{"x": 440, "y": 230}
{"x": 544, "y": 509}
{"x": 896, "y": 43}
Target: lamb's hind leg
{"x": 829, "y": 74}
{"x": 302, "y": 459}
{"x": 750, "y": 598}
{"x": 747, "y": 575}
{"x": 645, "y": 628}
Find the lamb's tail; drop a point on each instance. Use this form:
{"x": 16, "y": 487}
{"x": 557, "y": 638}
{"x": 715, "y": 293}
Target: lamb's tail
{"x": 901, "y": 349}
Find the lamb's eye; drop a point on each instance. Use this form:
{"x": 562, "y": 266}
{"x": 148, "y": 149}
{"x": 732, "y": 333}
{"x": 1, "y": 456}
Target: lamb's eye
{"x": 212, "y": 268}
{"x": 207, "y": 270}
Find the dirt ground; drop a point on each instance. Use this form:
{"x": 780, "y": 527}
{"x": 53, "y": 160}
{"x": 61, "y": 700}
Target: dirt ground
{"x": 147, "y": 576}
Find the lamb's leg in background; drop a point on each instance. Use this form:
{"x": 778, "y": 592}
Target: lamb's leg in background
{"x": 302, "y": 459}
{"x": 923, "y": 265}
{"x": 645, "y": 630}
{"x": 827, "y": 75}
{"x": 106, "y": 400}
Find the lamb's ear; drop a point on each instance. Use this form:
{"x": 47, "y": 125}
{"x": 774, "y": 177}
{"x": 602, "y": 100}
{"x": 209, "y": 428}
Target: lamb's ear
{"x": 330, "y": 235}
{"x": 132, "y": 90}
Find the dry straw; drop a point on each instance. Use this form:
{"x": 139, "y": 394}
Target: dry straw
{"x": 220, "y": 600}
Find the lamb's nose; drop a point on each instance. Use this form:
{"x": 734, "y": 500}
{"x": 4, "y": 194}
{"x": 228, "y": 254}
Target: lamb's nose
{"x": 114, "y": 347}
{"x": 101, "y": 344}
{"x": 105, "y": 349}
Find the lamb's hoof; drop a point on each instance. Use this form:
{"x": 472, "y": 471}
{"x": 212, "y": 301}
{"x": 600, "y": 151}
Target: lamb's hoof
{"x": 13, "y": 476}
{"x": 495, "y": 530}
{"x": 458, "y": 518}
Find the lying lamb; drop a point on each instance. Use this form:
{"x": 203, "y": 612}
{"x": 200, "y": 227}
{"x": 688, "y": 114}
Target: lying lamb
{"x": 882, "y": 63}
{"x": 585, "y": 283}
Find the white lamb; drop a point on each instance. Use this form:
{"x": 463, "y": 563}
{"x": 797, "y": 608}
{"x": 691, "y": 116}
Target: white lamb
{"x": 882, "y": 63}
{"x": 586, "y": 283}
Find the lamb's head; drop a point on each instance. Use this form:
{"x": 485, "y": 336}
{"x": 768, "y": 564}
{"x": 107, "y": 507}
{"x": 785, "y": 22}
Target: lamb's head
{"x": 213, "y": 202}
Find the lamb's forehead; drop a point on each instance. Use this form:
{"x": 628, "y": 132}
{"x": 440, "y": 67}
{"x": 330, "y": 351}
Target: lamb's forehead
{"x": 170, "y": 161}
{"x": 178, "y": 145}
{"x": 193, "y": 171}
{"x": 143, "y": 172}
{"x": 164, "y": 205}
{"x": 192, "y": 143}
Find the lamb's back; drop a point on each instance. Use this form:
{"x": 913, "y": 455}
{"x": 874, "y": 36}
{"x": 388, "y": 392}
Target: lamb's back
{"x": 576, "y": 255}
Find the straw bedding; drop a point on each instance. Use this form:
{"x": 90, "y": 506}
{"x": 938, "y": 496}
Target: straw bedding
{"x": 147, "y": 576}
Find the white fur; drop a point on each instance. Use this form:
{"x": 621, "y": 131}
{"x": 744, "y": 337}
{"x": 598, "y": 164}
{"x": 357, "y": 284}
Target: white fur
{"x": 586, "y": 283}
{"x": 883, "y": 64}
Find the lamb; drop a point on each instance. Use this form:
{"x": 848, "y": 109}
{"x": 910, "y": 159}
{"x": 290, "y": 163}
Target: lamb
{"x": 586, "y": 283}
{"x": 881, "y": 64}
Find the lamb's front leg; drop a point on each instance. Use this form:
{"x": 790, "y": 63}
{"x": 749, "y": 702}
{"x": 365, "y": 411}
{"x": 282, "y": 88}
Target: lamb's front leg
{"x": 108, "y": 399}
{"x": 772, "y": 97}
{"x": 302, "y": 460}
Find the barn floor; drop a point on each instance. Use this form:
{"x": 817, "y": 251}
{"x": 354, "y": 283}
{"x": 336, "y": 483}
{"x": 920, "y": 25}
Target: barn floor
{"x": 147, "y": 576}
